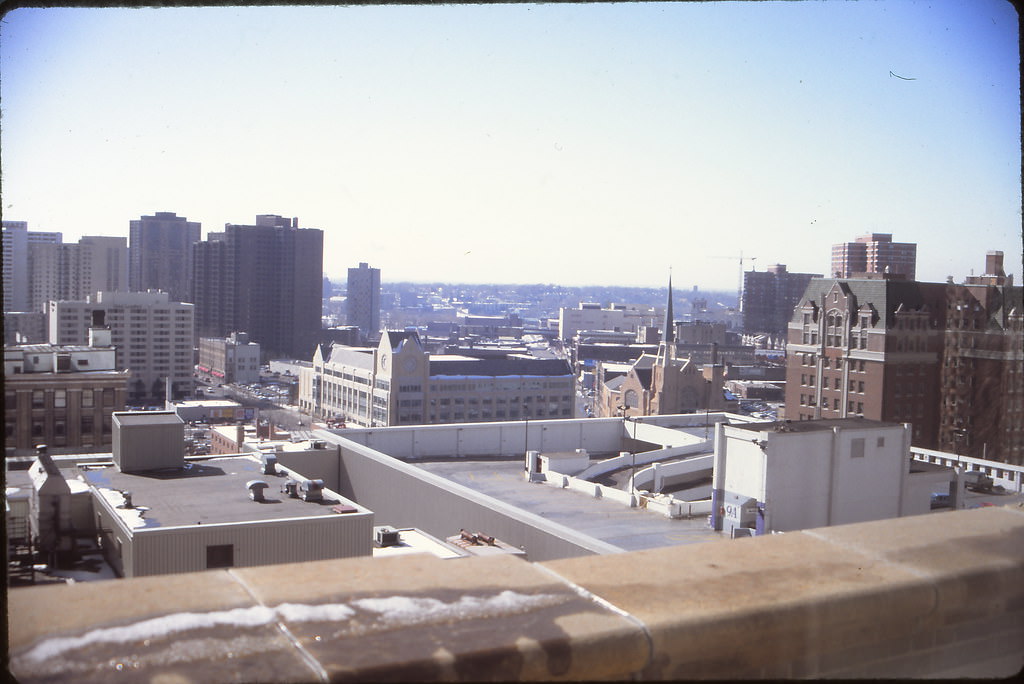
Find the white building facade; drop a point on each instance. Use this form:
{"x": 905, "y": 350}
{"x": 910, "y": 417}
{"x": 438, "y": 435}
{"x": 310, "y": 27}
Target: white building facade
{"x": 590, "y": 316}
{"x": 153, "y": 336}
{"x": 780, "y": 477}
{"x": 399, "y": 383}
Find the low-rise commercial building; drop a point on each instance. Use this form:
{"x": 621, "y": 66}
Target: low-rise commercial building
{"x": 234, "y": 359}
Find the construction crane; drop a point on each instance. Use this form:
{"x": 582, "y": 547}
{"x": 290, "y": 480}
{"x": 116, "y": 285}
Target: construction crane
{"x": 739, "y": 289}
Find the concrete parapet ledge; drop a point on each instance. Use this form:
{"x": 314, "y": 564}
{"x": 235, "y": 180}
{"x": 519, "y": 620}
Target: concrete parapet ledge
{"x": 933, "y": 595}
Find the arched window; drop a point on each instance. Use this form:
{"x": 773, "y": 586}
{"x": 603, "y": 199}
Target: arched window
{"x": 631, "y": 399}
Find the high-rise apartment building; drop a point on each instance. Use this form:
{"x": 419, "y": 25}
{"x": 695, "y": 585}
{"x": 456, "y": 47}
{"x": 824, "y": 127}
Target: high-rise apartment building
{"x": 154, "y": 338}
{"x": 23, "y": 289}
{"x": 362, "y": 304}
{"x": 874, "y": 253}
{"x": 769, "y": 298}
{"x": 947, "y": 358}
{"x": 160, "y": 249}
{"x": 96, "y": 264}
{"x": 265, "y": 279}
{"x": 40, "y": 267}
{"x": 15, "y": 244}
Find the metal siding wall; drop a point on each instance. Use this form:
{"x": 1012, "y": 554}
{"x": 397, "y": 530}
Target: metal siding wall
{"x": 163, "y": 551}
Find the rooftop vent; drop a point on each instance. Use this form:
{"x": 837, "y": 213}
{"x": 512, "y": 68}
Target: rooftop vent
{"x": 319, "y": 444}
{"x": 127, "y": 500}
{"x": 291, "y": 488}
{"x": 269, "y": 459}
{"x": 311, "y": 490}
{"x": 256, "y": 488}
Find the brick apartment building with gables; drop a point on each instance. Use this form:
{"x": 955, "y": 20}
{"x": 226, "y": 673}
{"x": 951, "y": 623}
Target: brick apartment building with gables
{"x": 946, "y": 358}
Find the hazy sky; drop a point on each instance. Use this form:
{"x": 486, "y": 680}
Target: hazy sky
{"x": 573, "y": 144}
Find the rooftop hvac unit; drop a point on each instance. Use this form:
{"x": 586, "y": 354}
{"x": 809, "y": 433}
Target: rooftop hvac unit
{"x": 291, "y": 488}
{"x": 269, "y": 459}
{"x": 311, "y": 490}
{"x": 319, "y": 444}
{"x": 385, "y": 536}
{"x": 256, "y": 488}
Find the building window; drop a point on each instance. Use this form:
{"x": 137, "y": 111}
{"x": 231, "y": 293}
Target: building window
{"x": 857, "y": 448}
{"x": 880, "y": 442}
{"x": 60, "y": 398}
{"x": 37, "y": 399}
{"x": 220, "y": 556}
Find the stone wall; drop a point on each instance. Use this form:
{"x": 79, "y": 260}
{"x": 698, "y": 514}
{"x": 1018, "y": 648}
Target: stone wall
{"x": 938, "y": 595}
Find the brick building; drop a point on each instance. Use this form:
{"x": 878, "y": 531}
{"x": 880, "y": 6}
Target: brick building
{"x": 769, "y": 297}
{"x": 62, "y": 395}
{"x": 874, "y": 253}
{"x": 947, "y": 358}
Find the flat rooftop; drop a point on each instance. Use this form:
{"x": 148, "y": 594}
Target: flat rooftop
{"x": 630, "y": 529}
{"x": 146, "y": 417}
{"x": 813, "y": 425}
{"x": 206, "y": 492}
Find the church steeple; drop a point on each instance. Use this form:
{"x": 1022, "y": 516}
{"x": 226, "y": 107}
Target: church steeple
{"x": 667, "y": 348}
{"x": 669, "y": 330}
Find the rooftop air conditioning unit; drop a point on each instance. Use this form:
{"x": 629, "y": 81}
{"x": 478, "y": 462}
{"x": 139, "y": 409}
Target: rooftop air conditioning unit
{"x": 385, "y": 536}
{"x": 311, "y": 490}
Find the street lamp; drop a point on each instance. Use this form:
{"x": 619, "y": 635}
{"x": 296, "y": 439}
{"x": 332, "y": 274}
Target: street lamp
{"x": 526, "y": 437}
{"x": 623, "y": 408}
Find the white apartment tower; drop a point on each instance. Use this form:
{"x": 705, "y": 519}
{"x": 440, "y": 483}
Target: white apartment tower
{"x": 153, "y": 336}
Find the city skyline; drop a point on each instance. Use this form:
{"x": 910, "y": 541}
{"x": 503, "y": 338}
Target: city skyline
{"x": 486, "y": 143}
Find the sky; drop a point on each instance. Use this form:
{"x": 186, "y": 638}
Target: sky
{"x": 576, "y": 144}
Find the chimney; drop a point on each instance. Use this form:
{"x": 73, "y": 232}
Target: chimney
{"x": 240, "y": 435}
{"x": 994, "y": 263}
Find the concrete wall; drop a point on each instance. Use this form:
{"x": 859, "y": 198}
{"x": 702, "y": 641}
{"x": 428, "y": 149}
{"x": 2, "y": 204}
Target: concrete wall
{"x": 869, "y": 487}
{"x": 897, "y": 599}
{"x": 596, "y": 435}
{"x": 674, "y": 473}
